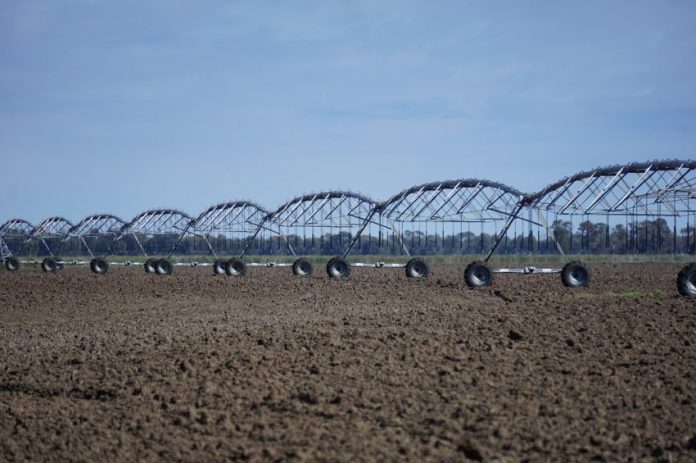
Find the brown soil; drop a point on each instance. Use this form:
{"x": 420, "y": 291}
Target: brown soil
{"x": 129, "y": 366}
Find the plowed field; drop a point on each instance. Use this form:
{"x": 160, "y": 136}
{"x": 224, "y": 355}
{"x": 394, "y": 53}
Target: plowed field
{"x": 128, "y": 366}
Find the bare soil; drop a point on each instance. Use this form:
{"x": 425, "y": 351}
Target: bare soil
{"x": 128, "y": 366}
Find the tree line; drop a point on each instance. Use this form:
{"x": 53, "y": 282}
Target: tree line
{"x": 639, "y": 237}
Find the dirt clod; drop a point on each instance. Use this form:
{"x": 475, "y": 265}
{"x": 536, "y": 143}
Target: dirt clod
{"x": 471, "y": 451}
{"x": 691, "y": 444}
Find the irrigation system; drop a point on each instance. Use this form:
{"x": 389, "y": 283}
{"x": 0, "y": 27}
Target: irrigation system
{"x": 646, "y": 207}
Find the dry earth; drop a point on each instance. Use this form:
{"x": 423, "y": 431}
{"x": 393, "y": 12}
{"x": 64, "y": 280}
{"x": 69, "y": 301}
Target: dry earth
{"x": 129, "y": 366}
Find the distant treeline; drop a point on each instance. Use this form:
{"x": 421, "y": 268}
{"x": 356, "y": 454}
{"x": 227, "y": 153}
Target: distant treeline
{"x": 644, "y": 237}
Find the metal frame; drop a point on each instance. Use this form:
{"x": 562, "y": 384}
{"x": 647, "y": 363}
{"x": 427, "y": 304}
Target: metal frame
{"x": 431, "y": 206}
{"x": 645, "y": 188}
{"x": 14, "y": 230}
{"x": 344, "y": 214}
{"x": 92, "y": 228}
{"x": 5, "y": 252}
{"x": 653, "y": 189}
{"x": 52, "y": 229}
{"x": 155, "y": 222}
{"x": 660, "y": 189}
{"x": 239, "y": 226}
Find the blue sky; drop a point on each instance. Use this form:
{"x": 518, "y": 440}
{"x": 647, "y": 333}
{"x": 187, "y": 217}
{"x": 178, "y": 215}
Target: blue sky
{"x": 124, "y": 106}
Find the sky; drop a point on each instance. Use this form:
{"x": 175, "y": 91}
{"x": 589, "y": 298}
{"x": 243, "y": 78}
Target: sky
{"x": 120, "y": 107}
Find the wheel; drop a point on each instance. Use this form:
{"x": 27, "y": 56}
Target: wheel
{"x": 220, "y": 267}
{"x": 478, "y": 275}
{"x": 99, "y": 265}
{"x": 302, "y": 268}
{"x": 235, "y": 267}
{"x": 575, "y": 274}
{"x": 49, "y": 264}
{"x": 150, "y": 265}
{"x": 337, "y": 267}
{"x": 686, "y": 280}
{"x": 416, "y": 268}
{"x": 12, "y": 264}
{"x": 163, "y": 267}
{"x": 329, "y": 264}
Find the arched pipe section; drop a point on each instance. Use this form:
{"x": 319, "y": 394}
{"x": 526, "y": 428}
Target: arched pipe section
{"x": 15, "y": 226}
{"x": 333, "y": 211}
{"x": 236, "y": 221}
{"x": 444, "y": 193}
{"x": 467, "y": 200}
{"x": 155, "y": 222}
{"x": 52, "y": 228}
{"x": 94, "y": 227}
{"x": 618, "y": 189}
{"x": 13, "y": 234}
{"x": 650, "y": 190}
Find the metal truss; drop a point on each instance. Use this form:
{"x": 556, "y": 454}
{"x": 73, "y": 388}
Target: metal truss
{"x": 651, "y": 188}
{"x": 4, "y": 250}
{"x": 232, "y": 228}
{"x": 156, "y": 231}
{"x": 93, "y": 232}
{"x": 424, "y": 210}
{"x": 466, "y": 200}
{"x": 50, "y": 232}
{"x": 634, "y": 198}
{"x": 16, "y": 227}
{"x": 451, "y": 216}
{"x": 331, "y": 222}
{"x": 14, "y": 233}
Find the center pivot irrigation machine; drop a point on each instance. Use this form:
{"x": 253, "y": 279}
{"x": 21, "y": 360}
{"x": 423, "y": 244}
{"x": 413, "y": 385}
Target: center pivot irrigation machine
{"x": 444, "y": 213}
{"x": 46, "y": 238}
{"x": 137, "y": 237}
{"x": 327, "y": 223}
{"x": 230, "y": 230}
{"x": 13, "y": 235}
{"x": 661, "y": 193}
{"x": 658, "y": 192}
{"x": 93, "y": 234}
{"x": 637, "y": 208}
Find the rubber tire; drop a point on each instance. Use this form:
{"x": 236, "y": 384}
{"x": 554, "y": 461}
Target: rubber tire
{"x": 416, "y": 268}
{"x": 337, "y": 268}
{"x": 49, "y": 265}
{"x": 12, "y": 264}
{"x": 686, "y": 280}
{"x": 478, "y": 275}
{"x": 99, "y": 266}
{"x": 302, "y": 268}
{"x": 220, "y": 267}
{"x": 163, "y": 267}
{"x": 150, "y": 265}
{"x": 236, "y": 267}
{"x": 575, "y": 275}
